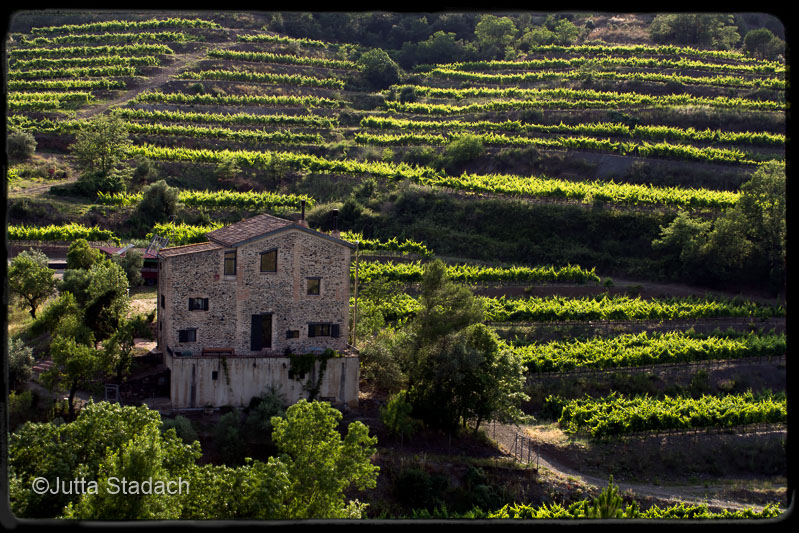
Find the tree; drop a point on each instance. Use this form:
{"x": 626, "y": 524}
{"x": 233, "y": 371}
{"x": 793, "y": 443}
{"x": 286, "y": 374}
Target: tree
{"x": 159, "y": 202}
{"x": 378, "y": 69}
{"x": 20, "y": 145}
{"x": 105, "y": 439}
{"x": 763, "y": 44}
{"x": 106, "y": 299}
{"x": 745, "y": 243}
{"x": 31, "y": 279}
{"x": 81, "y": 255}
{"x": 131, "y": 262}
{"x": 467, "y": 377}
{"x": 20, "y": 362}
{"x": 101, "y": 145}
{"x": 463, "y": 149}
{"x": 119, "y": 346}
{"x": 456, "y": 371}
{"x": 714, "y": 30}
{"x": 320, "y": 464}
{"x": 75, "y": 365}
{"x": 494, "y": 34}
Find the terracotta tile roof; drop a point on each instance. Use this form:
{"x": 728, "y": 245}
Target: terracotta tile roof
{"x": 247, "y": 229}
{"x": 188, "y": 249}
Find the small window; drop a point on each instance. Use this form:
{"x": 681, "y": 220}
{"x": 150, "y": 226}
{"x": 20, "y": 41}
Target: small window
{"x": 214, "y": 374}
{"x": 269, "y": 261}
{"x": 293, "y": 334}
{"x": 163, "y": 301}
{"x": 230, "y": 263}
{"x": 187, "y": 335}
{"x": 198, "y": 304}
{"x": 319, "y": 330}
{"x": 314, "y": 284}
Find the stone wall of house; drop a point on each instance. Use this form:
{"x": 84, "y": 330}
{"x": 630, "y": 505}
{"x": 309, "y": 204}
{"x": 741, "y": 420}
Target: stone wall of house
{"x": 232, "y": 300}
{"x": 234, "y": 381}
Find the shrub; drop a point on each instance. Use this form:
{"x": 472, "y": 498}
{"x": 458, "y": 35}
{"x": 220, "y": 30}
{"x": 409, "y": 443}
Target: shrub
{"x": 396, "y": 415}
{"x": 20, "y": 145}
{"x": 227, "y": 436}
{"x": 20, "y": 362}
{"x": 182, "y": 426}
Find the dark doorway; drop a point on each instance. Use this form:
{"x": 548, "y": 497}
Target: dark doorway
{"x": 261, "y": 332}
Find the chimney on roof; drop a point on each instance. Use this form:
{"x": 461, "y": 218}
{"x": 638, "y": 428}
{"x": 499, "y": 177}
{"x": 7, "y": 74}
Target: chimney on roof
{"x": 302, "y": 217}
{"x": 336, "y": 233}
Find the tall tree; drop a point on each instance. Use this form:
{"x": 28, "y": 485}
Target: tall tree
{"x": 31, "y": 279}
{"x": 101, "y": 145}
{"x": 320, "y": 464}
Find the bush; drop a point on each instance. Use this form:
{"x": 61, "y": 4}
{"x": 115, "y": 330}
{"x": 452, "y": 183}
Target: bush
{"x": 227, "y": 436}
{"x": 261, "y": 410}
{"x": 132, "y": 263}
{"x": 182, "y": 426}
{"x": 417, "y": 489}
{"x": 20, "y": 362}
{"x": 20, "y": 408}
{"x": 396, "y": 415}
{"x": 20, "y": 145}
{"x": 378, "y": 69}
{"x": 462, "y": 150}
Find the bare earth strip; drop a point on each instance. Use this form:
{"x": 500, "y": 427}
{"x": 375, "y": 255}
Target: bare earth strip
{"x": 555, "y": 473}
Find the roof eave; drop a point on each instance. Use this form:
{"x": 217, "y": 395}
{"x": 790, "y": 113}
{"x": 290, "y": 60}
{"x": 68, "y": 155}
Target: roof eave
{"x": 287, "y": 227}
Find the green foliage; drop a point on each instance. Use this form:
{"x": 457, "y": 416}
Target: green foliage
{"x": 84, "y": 449}
{"x": 20, "y": 362}
{"x": 74, "y": 366}
{"x": 455, "y": 368}
{"x": 378, "y": 69}
{"x": 747, "y": 241}
{"x": 608, "y": 504}
{"x": 763, "y": 44}
{"x": 228, "y": 438}
{"x": 20, "y": 408}
{"x": 131, "y": 263}
{"x": 80, "y": 255}
{"x": 396, "y": 416}
{"x": 494, "y": 33}
{"x": 644, "y": 349}
{"x": 31, "y": 279}
{"x": 262, "y": 409}
{"x": 462, "y": 150}
{"x": 20, "y": 145}
{"x": 616, "y": 415}
{"x": 107, "y": 302}
{"x": 159, "y": 202}
{"x": 182, "y": 427}
{"x": 320, "y": 463}
{"x": 101, "y": 145}
{"x": 714, "y": 30}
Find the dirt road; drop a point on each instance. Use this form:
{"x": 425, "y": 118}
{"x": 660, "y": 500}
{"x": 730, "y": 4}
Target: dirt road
{"x": 557, "y": 474}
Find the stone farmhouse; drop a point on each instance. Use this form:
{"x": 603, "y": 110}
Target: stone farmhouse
{"x": 238, "y": 313}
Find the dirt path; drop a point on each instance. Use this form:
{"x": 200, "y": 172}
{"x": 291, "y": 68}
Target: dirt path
{"x": 555, "y": 473}
{"x": 163, "y": 76}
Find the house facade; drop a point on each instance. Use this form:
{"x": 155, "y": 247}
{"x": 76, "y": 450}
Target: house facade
{"x": 234, "y": 313}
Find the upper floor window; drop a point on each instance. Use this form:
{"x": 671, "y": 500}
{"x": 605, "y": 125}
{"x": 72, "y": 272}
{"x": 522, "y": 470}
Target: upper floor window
{"x": 230, "y": 263}
{"x": 198, "y": 304}
{"x": 314, "y": 285}
{"x": 269, "y": 261}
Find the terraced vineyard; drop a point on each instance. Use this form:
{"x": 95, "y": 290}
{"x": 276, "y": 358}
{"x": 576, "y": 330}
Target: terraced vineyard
{"x": 551, "y": 169}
